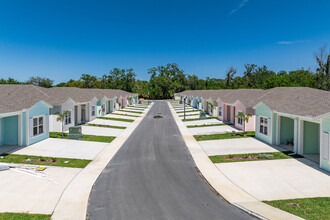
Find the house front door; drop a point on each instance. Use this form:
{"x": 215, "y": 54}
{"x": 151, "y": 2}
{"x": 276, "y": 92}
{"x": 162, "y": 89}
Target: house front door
{"x": 75, "y": 115}
{"x": 83, "y": 113}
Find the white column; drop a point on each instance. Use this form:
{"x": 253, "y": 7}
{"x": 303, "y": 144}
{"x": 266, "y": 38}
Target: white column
{"x": 295, "y": 136}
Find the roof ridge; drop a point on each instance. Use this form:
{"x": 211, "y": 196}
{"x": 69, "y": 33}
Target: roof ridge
{"x": 41, "y": 91}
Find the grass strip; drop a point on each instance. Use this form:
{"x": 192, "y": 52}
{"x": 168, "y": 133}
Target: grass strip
{"x": 40, "y": 160}
{"x": 227, "y": 135}
{"x": 131, "y": 111}
{"x": 116, "y": 119}
{"x": 105, "y": 139}
{"x": 125, "y": 115}
{"x": 206, "y": 125}
{"x": 106, "y": 126}
{"x": 307, "y": 208}
{"x": 252, "y": 157}
{"x": 23, "y": 216}
{"x": 196, "y": 119}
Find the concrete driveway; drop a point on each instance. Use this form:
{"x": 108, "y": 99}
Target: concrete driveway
{"x": 212, "y": 130}
{"x": 191, "y": 116}
{"x": 127, "y": 113}
{"x": 22, "y": 192}
{"x": 236, "y": 146}
{"x": 203, "y": 122}
{"x": 100, "y": 131}
{"x": 278, "y": 179}
{"x": 189, "y": 113}
{"x": 110, "y": 122}
{"x": 119, "y": 116}
{"x": 55, "y": 147}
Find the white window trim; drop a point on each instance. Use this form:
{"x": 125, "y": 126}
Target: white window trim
{"x": 70, "y": 118}
{"x": 44, "y": 122}
{"x": 259, "y": 123}
{"x": 220, "y": 111}
{"x": 93, "y": 106}
{"x": 239, "y": 118}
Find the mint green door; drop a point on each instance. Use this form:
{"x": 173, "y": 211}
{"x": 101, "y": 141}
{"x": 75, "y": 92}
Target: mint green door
{"x": 286, "y": 130}
{"x": 311, "y": 138}
{"x": 10, "y": 132}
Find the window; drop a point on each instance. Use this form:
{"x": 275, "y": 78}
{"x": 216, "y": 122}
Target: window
{"x": 93, "y": 110}
{"x": 220, "y": 111}
{"x": 67, "y": 118}
{"x": 263, "y": 125}
{"x": 240, "y": 120}
{"x": 38, "y": 125}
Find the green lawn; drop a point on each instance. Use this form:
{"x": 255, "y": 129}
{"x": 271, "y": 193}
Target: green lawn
{"x": 39, "y": 160}
{"x": 131, "y": 111}
{"x": 116, "y": 119}
{"x": 23, "y": 216}
{"x": 105, "y": 126}
{"x": 106, "y": 139}
{"x": 252, "y": 157}
{"x": 124, "y": 114}
{"x": 206, "y": 125}
{"x": 308, "y": 208}
{"x": 196, "y": 119}
{"x": 224, "y": 136}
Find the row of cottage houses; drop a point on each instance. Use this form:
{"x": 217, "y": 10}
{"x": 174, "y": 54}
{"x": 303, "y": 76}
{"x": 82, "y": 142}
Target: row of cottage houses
{"x": 296, "y": 118}
{"x": 27, "y": 112}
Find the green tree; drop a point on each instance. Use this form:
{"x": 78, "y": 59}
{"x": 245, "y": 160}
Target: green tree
{"x": 42, "y": 82}
{"x": 230, "y": 76}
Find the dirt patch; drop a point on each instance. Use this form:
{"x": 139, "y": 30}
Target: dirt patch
{"x": 250, "y": 157}
{"x": 294, "y": 204}
{"x": 38, "y": 160}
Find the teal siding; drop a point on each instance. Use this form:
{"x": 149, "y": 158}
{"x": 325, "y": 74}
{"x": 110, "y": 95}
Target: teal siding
{"x": 311, "y": 138}
{"x": 24, "y": 129}
{"x": 274, "y": 129}
{"x": 286, "y": 130}
{"x": 38, "y": 110}
{"x": 2, "y": 131}
{"x": 264, "y": 111}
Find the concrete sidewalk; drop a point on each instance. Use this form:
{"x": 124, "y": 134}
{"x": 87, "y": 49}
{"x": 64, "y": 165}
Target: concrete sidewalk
{"x": 237, "y": 146}
{"x": 74, "y": 201}
{"x": 224, "y": 186}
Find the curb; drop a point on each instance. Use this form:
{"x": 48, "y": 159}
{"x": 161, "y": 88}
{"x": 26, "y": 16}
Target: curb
{"x": 73, "y": 203}
{"x": 222, "y": 185}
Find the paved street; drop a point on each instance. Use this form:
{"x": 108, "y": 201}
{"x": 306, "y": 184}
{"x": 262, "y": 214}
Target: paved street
{"x": 153, "y": 176}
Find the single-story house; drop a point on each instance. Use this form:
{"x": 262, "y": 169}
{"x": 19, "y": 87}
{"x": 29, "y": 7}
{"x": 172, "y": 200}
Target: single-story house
{"x": 296, "y": 118}
{"x": 23, "y": 115}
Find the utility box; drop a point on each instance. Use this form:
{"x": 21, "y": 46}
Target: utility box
{"x": 140, "y": 102}
{"x": 75, "y": 133}
{"x": 202, "y": 115}
{"x": 180, "y": 102}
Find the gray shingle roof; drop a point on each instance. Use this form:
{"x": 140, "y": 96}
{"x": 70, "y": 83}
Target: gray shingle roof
{"x": 302, "y": 101}
{"x": 18, "y": 97}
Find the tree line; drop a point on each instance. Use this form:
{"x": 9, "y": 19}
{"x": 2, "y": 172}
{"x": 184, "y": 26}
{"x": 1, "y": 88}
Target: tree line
{"x": 169, "y": 79}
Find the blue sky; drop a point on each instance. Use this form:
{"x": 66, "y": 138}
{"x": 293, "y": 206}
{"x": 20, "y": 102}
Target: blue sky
{"x": 63, "y": 39}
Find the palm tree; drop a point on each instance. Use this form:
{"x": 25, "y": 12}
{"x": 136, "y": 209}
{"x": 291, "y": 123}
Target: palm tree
{"x": 61, "y": 117}
{"x": 245, "y": 119}
{"x": 230, "y": 76}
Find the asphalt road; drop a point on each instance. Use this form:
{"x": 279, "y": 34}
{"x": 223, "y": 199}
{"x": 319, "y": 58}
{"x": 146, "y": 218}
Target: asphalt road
{"x": 153, "y": 176}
